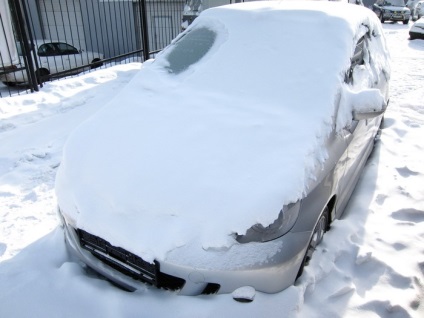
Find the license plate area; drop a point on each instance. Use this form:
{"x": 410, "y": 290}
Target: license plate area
{"x": 119, "y": 258}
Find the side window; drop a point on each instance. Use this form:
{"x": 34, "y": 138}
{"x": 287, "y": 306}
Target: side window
{"x": 66, "y": 49}
{"x": 356, "y": 59}
{"x": 358, "y": 55}
{"x": 46, "y": 50}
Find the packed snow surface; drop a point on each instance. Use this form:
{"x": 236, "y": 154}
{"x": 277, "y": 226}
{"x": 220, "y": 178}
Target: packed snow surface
{"x": 370, "y": 264}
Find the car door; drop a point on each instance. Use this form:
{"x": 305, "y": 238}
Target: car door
{"x": 71, "y": 56}
{"x": 49, "y": 58}
{"x": 360, "y": 140}
{"x": 358, "y": 136}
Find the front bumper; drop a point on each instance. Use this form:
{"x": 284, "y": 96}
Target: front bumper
{"x": 217, "y": 271}
{"x": 395, "y": 16}
{"x": 416, "y": 35}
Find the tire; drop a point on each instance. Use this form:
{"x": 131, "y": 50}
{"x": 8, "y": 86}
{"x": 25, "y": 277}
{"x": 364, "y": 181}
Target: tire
{"x": 41, "y": 74}
{"x": 96, "y": 63}
{"x": 10, "y": 84}
{"x": 381, "y": 17}
{"x": 320, "y": 228}
{"x": 405, "y": 21}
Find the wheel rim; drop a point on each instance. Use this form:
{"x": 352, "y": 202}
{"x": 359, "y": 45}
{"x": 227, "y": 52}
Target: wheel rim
{"x": 319, "y": 231}
{"x": 317, "y": 235}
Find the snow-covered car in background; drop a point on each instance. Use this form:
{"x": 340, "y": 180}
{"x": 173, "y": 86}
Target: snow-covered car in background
{"x": 418, "y": 11}
{"x": 224, "y": 161}
{"x": 392, "y": 10}
{"x": 54, "y": 57}
{"x": 417, "y": 30}
{"x": 410, "y": 4}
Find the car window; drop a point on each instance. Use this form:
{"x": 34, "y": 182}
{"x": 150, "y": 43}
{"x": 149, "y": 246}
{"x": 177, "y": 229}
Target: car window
{"x": 357, "y": 58}
{"x": 47, "y": 49}
{"x": 65, "y": 49}
{"x": 189, "y": 49}
{"x": 358, "y": 55}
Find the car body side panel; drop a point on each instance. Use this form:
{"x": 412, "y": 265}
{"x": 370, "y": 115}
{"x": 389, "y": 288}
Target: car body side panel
{"x": 361, "y": 142}
{"x": 323, "y": 189}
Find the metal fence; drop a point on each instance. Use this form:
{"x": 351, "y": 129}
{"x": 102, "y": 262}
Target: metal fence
{"x": 46, "y": 39}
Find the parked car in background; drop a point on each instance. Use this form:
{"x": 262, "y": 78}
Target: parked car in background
{"x": 392, "y": 10}
{"x": 418, "y": 11}
{"x": 54, "y": 57}
{"x": 417, "y": 29}
{"x": 204, "y": 175}
{"x": 411, "y": 6}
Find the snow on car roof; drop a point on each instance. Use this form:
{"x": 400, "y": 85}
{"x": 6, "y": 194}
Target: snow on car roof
{"x": 209, "y": 151}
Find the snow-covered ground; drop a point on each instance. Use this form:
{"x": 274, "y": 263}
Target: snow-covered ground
{"x": 370, "y": 264}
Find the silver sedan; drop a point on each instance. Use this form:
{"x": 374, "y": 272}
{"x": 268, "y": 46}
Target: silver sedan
{"x": 224, "y": 162}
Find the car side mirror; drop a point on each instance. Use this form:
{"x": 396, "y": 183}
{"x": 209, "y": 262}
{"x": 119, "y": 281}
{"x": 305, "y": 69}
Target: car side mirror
{"x": 360, "y": 115}
{"x": 368, "y": 104}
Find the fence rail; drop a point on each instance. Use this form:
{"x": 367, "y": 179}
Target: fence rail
{"x": 41, "y": 40}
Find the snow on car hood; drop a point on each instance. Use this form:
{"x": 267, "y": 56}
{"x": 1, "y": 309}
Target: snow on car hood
{"x": 206, "y": 153}
{"x": 418, "y": 26}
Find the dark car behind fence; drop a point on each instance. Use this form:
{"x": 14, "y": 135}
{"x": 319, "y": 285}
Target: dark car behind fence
{"x": 120, "y": 31}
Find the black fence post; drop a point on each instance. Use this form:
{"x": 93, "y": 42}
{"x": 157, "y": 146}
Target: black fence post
{"x": 144, "y": 30}
{"x": 35, "y": 77}
{"x": 26, "y": 49}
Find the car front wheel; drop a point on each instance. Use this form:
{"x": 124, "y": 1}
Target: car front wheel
{"x": 96, "y": 63}
{"x": 42, "y": 75}
{"x": 405, "y": 21}
{"x": 9, "y": 84}
{"x": 317, "y": 235}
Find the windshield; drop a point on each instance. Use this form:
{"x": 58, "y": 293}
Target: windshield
{"x": 397, "y": 3}
{"x": 189, "y": 49}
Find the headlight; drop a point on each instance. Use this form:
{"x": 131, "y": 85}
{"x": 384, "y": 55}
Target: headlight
{"x": 285, "y": 221}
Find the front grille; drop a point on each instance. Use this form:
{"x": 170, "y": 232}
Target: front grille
{"x": 127, "y": 262}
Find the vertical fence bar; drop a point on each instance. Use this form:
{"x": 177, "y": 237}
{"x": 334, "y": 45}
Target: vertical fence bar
{"x": 126, "y": 14}
{"x": 96, "y": 31}
{"x": 144, "y": 30}
{"x": 89, "y": 26}
{"x": 26, "y": 50}
{"x": 34, "y": 62}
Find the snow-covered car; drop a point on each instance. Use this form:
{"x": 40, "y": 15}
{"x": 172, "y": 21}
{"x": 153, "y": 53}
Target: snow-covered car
{"x": 418, "y": 11}
{"x": 417, "y": 30}
{"x": 224, "y": 161}
{"x": 410, "y": 4}
{"x": 54, "y": 57}
{"x": 392, "y": 10}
